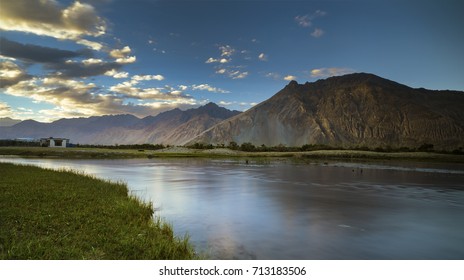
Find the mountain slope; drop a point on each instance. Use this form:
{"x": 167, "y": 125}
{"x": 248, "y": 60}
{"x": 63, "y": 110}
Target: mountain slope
{"x": 351, "y": 110}
{"x": 8, "y": 121}
{"x": 173, "y": 127}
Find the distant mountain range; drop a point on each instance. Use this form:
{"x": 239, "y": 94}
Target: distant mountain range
{"x": 173, "y": 127}
{"x": 8, "y": 121}
{"x": 351, "y": 110}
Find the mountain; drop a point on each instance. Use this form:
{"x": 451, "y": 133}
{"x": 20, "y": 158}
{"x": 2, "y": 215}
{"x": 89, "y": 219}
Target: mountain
{"x": 8, "y": 121}
{"x": 352, "y": 110}
{"x": 174, "y": 127}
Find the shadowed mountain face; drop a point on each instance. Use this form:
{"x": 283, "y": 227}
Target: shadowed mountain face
{"x": 173, "y": 127}
{"x": 352, "y": 110}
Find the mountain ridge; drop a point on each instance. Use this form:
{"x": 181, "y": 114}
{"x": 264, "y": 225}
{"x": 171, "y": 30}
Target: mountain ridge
{"x": 358, "y": 109}
{"x": 165, "y": 128}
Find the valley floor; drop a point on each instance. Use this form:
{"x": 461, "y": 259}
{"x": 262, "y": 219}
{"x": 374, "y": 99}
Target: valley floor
{"x": 105, "y": 153}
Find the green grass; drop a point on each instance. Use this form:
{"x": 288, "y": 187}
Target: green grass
{"x": 105, "y": 153}
{"x": 48, "y": 214}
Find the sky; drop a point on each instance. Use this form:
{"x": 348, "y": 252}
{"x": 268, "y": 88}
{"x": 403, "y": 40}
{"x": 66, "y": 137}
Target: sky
{"x": 67, "y": 59}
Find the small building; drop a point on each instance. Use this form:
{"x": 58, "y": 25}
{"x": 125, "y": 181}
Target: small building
{"x": 54, "y": 142}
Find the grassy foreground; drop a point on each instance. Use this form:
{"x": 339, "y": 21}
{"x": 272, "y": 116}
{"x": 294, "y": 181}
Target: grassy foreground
{"x": 48, "y": 214}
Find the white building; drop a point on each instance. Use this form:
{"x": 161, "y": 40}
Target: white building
{"x": 54, "y": 142}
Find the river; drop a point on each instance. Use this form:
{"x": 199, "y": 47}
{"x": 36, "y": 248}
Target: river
{"x": 282, "y": 209}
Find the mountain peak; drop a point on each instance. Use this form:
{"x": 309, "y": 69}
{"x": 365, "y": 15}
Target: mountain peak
{"x": 350, "y": 110}
{"x": 293, "y": 83}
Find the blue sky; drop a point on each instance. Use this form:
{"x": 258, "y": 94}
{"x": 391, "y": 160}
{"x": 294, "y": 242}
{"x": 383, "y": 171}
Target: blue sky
{"x": 62, "y": 59}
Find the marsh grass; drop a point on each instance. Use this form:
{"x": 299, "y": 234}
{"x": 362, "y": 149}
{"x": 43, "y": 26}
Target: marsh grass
{"x": 48, "y": 214}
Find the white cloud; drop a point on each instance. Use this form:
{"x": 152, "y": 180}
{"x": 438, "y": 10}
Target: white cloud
{"x": 117, "y": 75}
{"x": 226, "y": 50}
{"x": 91, "y": 44}
{"x": 126, "y": 60}
{"x": 209, "y": 88}
{"x": 262, "y": 57}
{"x": 211, "y": 60}
{"x": 329, "y": 72}
{"x": 183, "y": 88}
{"x": 92, "y": 61}
{"x": 238, "y": 75}
{"x": 317, "y": 33}
{"x": 234, "y": 74}
{"x": 120, "y": 53}
{"x": 224, "y": 103}
{"x": 147, "y": 77}
{"x": 289, "y": 78}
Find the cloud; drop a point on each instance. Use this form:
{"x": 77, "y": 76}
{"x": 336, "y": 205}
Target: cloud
{"x": 208, "y": 88}
{"x": 238, "y": 75}
{"x": 34, "y": 53}
{"x": 225, "y": 103}
{"x": 91, "y": 44}
{"x": 273, "y": 75}
{"x": 226, "y": 50}
{"x": 126, "y": 60}
{"x": 120, "y": 53}
{"x": 115, "y": 74}
{"x": 262, "y": 57}
{"x": 86, "y": 68}
{"x": 5, "y": 110}
{"x": 317, "y": 33}
{"x": 11, "y": 73}
{"x": 147, "y": 77}
{"x": 307, "y": 20}
{"x": 73, "y": 98}
{"x": 329, "y": 72}
{"x": 304, "y": 21}
{"x": 290, "y": 78}
{"x": 232, "y": 73}
{"x": 48, "y": 18}
{"x": 92, "y": 61}
{"x": 211, "y": 60}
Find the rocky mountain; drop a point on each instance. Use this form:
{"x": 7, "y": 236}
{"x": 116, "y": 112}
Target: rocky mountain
{"x": 173, "y": 127}
{"x": 352, "y": 110}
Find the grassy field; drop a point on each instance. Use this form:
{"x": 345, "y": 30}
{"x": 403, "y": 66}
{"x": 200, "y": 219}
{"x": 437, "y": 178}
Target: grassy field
{"x": 48, "y": 214}
{"x": 100, "y": 153}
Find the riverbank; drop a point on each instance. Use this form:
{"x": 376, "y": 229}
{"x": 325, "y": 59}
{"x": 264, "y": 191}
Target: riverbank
{"x": 105, "y": 153}
{"x": 49, "y": 214}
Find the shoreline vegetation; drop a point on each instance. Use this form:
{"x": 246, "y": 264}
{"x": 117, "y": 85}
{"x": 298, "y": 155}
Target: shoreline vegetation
{"x": 426, "y": 153}
{"x": 49, "y": 214}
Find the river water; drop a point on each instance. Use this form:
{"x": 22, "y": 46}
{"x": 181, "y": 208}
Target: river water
{"x": 288, "y": 210}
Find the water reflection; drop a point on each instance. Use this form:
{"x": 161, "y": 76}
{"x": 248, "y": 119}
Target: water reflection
{"x": 282, "y": 210}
